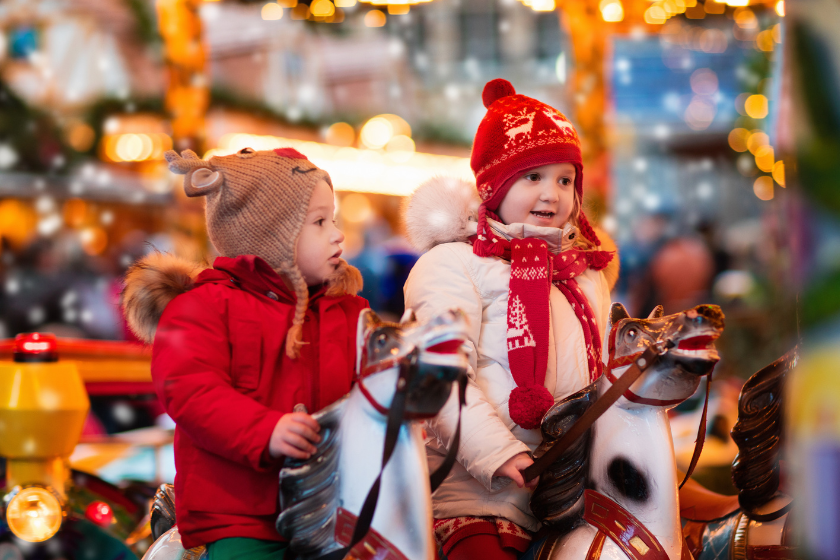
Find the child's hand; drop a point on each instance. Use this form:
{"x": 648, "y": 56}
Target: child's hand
{"x": 294, "y": 435}
{"x": 511, "y": 469}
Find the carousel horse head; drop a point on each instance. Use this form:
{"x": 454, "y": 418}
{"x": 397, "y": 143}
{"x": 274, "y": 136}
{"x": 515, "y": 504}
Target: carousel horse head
{"x": 434, "y": 346}
{"x": 689, "y": 337}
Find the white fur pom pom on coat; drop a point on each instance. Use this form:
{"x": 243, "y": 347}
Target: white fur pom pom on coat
{"x": 439, "y": 211}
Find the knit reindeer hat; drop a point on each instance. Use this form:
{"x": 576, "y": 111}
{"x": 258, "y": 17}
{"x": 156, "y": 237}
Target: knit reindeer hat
{"x": 256, "y": 202}
{"x": 519, "y": 133}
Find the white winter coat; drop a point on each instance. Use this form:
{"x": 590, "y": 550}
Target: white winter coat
{"x": 449, "y": 275}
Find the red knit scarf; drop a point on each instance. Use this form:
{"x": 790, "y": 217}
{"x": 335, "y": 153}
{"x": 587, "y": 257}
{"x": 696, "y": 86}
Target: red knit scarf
{"x": 533, "y": 270}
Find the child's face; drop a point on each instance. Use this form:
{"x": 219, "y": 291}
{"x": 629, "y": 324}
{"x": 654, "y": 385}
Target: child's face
{"x": 542, "y": 196}
{"x": 318, "y": 243}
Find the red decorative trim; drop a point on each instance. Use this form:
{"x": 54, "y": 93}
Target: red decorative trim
{"x": 379, "y": 408}
{"x": 772, "y": 552}
{"x": 633, "y": 397}
{"x": 621, "y": 527}
{"x": 373, "y": 547}
{"x": 596, "y": 547}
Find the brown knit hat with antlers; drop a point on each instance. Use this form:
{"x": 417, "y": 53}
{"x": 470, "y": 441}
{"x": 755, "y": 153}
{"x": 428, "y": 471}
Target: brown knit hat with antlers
{"x": 255, "y": 205}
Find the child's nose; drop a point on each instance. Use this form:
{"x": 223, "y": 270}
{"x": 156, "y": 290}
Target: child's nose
{"x": 549, "y": 194}
{"x": 338, "y": 236}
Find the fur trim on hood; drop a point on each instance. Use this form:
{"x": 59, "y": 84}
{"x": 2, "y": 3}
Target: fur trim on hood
{"x": 158, "y": 278}
{"x": 445, "y": 210}
{"x": 150, "y": 284}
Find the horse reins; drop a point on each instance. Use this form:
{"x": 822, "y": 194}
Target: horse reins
{"x": 588, "y": 418}
{"x": 396, "y": 415}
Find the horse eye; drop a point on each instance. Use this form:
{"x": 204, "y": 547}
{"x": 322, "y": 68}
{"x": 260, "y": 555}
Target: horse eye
{"x": 381, "y": 339}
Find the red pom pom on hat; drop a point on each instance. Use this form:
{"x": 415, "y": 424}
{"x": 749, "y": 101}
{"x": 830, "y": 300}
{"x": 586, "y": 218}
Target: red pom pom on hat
{"x": 496, "y": 89}
{"x": 528, "y": 405}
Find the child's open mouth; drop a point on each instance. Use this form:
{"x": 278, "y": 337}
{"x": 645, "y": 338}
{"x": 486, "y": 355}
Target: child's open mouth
{"x": 545, "y": 215}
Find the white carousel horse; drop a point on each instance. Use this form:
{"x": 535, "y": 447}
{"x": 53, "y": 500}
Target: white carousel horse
{"x": 614, "y": 492}
{"x": 322, "y": 497}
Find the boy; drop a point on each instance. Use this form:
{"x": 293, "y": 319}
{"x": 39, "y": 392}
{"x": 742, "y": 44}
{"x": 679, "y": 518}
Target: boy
{"x": 237, "y": 346}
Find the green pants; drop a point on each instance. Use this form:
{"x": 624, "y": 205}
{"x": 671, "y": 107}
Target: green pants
{"x": 246, "y": 549}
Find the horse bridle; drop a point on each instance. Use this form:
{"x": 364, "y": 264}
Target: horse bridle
{"x": 396, "y": 415}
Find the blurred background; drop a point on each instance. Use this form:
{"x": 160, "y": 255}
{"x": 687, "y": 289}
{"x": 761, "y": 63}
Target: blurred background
{"x": 709, "y": 130}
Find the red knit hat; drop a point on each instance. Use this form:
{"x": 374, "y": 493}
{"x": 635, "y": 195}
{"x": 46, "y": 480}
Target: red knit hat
{"x": 519, "y": 133}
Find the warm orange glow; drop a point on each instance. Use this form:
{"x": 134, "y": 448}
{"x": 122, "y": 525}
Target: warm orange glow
{"x": 764, "y": 41}
{"x": 355, "y": 207}
{"x": 763, "y": 188}
{"x": 738, "y": 139}
{"x": 780, "y": 8}
{"x": 713, "y": 7}
{"x": 765, "y": 158}
{"x": 80, "y": 136}
{"x": 756, "y": 106}
{"x": 398, "y": 9}
{"x": 655, "y": 15}
{"x": 322, "y": 8}
{"x": 75, "y": 212}
{"x": 300, "y": 12}
{"x": 375, "y": 18}
{"x": 135, "y": 147}
{"x": 777, "y": 33}
{"x": 345, "y": 3}
{"x": 94, "y": 240}
{"x": 745, "y": 18}
{"x": 756, "y": 140}
{"x": 17, "y": 221}
{"x": 340, "y": 134}
{"x": 543, "y": 5}
{"x": 271, "y": 12}
{"x": 611, "y": 10}
{"x": 779, "y": 172}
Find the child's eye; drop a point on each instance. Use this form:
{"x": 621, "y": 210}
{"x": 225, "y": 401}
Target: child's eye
{"x": 319, "y": 222}
{"x": 566, "y": 181}
{"x": 533, "y": 176}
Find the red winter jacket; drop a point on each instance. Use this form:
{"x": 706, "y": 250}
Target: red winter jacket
{"x": 220, "y": 369}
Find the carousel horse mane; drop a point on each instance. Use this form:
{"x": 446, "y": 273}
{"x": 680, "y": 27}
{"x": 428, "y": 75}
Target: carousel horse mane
{"x": 758, "y": 433}
{"x": 558, "y": 500}
{"x": 309, "y": 488}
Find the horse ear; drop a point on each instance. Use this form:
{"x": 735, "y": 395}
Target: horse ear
{"x": 657, "y": 312}
{"x": 617, "y": 313}
{"x": 368, "y": 319}
{"x": 408, "y": 316}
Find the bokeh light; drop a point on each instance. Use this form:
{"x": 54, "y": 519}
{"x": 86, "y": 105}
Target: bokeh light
{"x": 355, "y": 208}
{"x": 376, "y": 133}
{"x": 765, "y": 158}
{"x": 612, "y": 10}
{"x": 756, "y": 106}
{"x": 779, "y": 172}
{"x": 340, "y": 134}
{"x": 756, "y": 140}
{"x": 763, "y": 187}
{"x": 271, "y": 12}
{"x": 738, "y": 139}
{"x": 322, "y": 8}
{"x": 704, "y": 81}
{"x": 375, "y": 18}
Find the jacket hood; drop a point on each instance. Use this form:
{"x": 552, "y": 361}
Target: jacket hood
{"x": 158, "y": 278}
{"x": 445, "y": 210}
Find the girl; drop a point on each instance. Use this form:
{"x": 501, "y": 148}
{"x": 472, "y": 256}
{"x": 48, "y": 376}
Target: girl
{"x": 527, "y": 268}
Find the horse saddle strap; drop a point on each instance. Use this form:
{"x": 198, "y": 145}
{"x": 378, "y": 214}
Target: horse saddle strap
{"x": 622, "y": 528}
{"x": 588, "y": 418}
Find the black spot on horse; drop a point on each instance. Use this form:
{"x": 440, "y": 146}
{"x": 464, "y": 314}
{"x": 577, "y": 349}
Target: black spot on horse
{"x": 628, "y": 480}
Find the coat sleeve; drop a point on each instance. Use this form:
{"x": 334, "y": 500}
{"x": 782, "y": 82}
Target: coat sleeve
{"x": 191, "y": 373}
{"x": 439, "y": 281}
